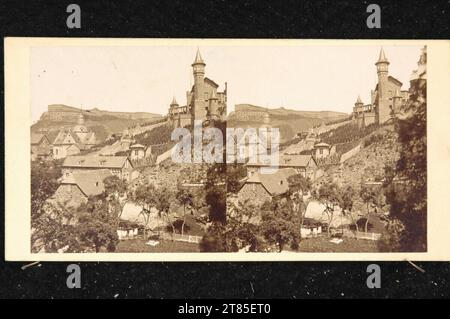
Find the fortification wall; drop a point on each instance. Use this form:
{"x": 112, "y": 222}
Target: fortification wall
{"x": 350, "y": 153}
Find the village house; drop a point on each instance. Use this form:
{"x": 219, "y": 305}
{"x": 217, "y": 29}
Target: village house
{"x": 118, "y": 165}
{"x": 139, "y": 151}
{"x": 323, "y": 150}
{"x": 40, "y": 146}
{"x": 305, "y": 165}
{"x": 73, "y": 140}
{"x": 77, "y": 187}
{"x": 260, "y": 188}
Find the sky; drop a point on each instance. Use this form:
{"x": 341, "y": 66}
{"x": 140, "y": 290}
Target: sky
{"x": 145, "y": 78}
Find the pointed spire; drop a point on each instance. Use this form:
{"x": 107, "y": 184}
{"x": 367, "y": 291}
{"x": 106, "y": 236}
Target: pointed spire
{"x": 397, "y": 93}
{"x": 174, "y": 101}
{"x": 382, "y": 57}
{"x": 359, "y": 101}
{"x": 198, "y": 58}
{"x": 213, "y": 96}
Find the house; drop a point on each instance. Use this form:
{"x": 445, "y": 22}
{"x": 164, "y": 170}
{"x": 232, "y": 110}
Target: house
{"x": 66, "y": 143}
{"x": 40, "y": 146}
{"x": 260, "y": 188}
{"x": 139, "y": 151}
{"x": 73, "y": 140}
{"x": 118, "y": 165}
{"x": 305, "y": 165}
{"x": 323, "y": 150}
{"x": 75, "y": 188}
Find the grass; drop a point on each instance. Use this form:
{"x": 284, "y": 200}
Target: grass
{"x": 322, "y": 244}
{"x": 165, "y": 246}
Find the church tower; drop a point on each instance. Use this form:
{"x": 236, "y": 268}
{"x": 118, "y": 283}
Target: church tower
{"x": 198, "y": 107}
{"x": 382, "y": 104}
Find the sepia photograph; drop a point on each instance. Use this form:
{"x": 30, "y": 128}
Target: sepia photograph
{"x": 209, "y": 147}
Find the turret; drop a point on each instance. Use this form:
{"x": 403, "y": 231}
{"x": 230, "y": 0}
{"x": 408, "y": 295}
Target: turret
{"x": 382, "y": 65}
{"x": 199, "y": 73}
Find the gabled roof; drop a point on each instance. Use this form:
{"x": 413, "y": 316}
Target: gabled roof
{"x": 37, "y": 137}
{"x": 394, "y": 80}
{"x": 92, "y": 161}
{"x": 322, "y": 144}
{"x": 208, "y": 80}
{"x": 89, "y": 182}
{"x": 59, "y": 140}
{"x": 137, "y": 146}
{"x": 276, "y": 183}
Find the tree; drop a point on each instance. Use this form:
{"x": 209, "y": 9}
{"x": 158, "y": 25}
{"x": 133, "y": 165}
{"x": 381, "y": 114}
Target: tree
{"x": 298, "y": 186}
{"x": 347, "y": 200}
{"x": 372, "y": 197}
{"x": 407, "y": 193}
{"x": 185, "y": 198}
{"x": 116, "y": 194}
{"x": 241, "y": 230}
{"x": 163, "y": 198}
{"x": 46, "y": 219}
{"x": 144, "y": 195}
{"x": 235, "y": 172}
{"x": 279, "y": 226}
{"x": 96, "y": 227}
{"x": 329, "y": 195}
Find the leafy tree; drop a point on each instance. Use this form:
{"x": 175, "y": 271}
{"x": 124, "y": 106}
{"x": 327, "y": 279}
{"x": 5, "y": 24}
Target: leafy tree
{"x": 45, "y": 227}
{"x": 298, "y": 187}
{"x": 279, "y": 226}
{"x": 116, "y": 194}
{"x": 241, "y": 230}
{"x": 346, "y": 203}
{"x": 407, "y": 193}
{"x": 96, "y": 226}
{"x": 235, "y": 172}
{"x": 164, "y": 197}
{"x": 144, "y": 195}
{"x": 372, "y": 197}
{"x": 185, "y": 198}
{"x": 329, "y": 195}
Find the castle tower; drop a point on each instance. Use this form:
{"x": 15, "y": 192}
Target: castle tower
{"x": 357, "y": 110}
{"x": 382, "y": 110}
{"x": 358, "y": 104}
{"x": 213, "y": 109}
{"x": 397, "y": 102}
{"x": 173, "y": 106}
{"x": 199, "y": 107}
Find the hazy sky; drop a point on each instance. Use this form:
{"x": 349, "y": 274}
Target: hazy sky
{"x": 119, "y": 78}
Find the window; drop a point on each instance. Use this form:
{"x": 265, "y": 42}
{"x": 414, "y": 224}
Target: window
{"x": 321, "y": 151}
{"x": 96, "y": 183}
{"x": 206, "y": 96}
{"x": 136, "y": 152}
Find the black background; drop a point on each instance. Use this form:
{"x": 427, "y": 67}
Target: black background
{"x": 224, "y": 19}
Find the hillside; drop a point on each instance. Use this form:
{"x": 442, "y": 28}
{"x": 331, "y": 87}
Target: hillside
{"x": 379, "y": 148}
{"x": 289, "y": 122}
{"x": 281, "y": 111}
{"x": 103, "y": 123}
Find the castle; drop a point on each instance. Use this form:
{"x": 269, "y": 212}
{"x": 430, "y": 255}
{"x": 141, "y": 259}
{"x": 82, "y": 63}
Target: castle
{"x": 387, "y": 98}
{"x": 203, "y": 101}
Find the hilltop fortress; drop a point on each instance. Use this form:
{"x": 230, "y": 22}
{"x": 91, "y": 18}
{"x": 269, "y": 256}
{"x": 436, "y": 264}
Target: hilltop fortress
{"x": 203, "y": 101}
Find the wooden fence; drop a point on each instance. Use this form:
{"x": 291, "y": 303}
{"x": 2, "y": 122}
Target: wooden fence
{"x": 179, "y": 237}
